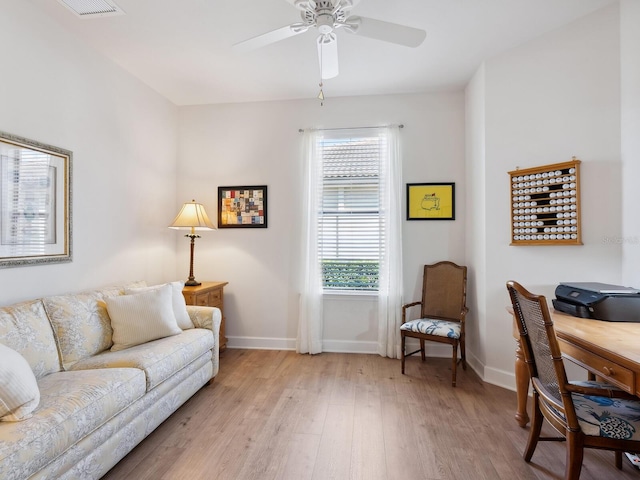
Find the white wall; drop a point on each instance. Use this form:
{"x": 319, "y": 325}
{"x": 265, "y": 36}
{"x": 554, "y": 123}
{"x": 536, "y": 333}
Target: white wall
{"x": 259, "y": 143}
{"x": 55, "y": 90}
{"x": 545, "y": 101}
{"x": 630, "y": 100}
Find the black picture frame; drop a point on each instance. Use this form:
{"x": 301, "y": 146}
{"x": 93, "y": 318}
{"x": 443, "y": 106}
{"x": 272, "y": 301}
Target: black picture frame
{"x": 431, "y": 201}
{"x": 243, "y": 206}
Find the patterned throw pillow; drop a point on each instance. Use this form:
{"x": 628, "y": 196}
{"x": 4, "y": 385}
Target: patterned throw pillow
{"x": 25, "y": 328}
{"x": 19, "y": 393}
{"x": 81, "y": 325}
{"x": 142, "y": 317}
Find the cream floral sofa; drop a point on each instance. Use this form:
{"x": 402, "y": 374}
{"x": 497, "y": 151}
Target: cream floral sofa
{"x": 95, "y": 405}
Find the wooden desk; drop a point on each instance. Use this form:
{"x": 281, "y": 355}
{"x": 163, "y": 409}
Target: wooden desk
{"x": 610, "y": 350}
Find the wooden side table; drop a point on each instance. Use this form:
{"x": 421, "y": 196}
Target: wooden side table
{"x": 208, "y": 294}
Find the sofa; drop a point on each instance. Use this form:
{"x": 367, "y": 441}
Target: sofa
{"x": 84, "y": 377}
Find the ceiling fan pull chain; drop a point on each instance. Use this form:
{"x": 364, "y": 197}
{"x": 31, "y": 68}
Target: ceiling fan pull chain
{"x": 321, "y": 94}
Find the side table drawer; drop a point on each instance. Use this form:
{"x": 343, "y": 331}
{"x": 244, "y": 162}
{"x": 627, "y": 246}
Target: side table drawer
{"x": 202, "y": 300}
{"x": 609, "y": 371}
{"x": 215, "y": 298}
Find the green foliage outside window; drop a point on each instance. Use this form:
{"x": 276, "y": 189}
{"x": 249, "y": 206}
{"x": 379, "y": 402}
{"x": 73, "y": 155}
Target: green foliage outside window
{"x": 359, "y": 275}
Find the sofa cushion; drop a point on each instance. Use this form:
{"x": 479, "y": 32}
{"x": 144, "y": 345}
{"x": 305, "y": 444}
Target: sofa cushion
{"x": 25, "y": 328}
{"x": 19, "y": 394}
{"x": 177, "y": 301}
{"x": 159, "y": 359}
{"x": 81, "y": 324}
{"x": 73, "y": 404}
{"x": 140, "y": 318}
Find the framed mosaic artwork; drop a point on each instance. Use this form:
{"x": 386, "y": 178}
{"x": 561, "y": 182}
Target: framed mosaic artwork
{"x": 242, "y": 207}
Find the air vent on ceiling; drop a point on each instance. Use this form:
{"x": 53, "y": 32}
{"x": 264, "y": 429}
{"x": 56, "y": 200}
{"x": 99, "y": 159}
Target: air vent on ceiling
{"x": 92, "y": 8}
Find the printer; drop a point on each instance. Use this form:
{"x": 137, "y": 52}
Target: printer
{"x": 599, "y": 301}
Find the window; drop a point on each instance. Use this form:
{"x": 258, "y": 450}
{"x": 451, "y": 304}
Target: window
{"x": 350, "y": 230}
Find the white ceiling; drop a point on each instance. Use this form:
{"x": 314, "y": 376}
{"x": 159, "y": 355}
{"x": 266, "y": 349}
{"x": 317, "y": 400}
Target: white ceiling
{"x": 182, "y": 48}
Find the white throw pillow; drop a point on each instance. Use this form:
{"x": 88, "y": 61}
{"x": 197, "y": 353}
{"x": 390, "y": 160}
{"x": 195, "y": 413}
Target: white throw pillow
{"x": 141, "y": 317}
{"x": 19, "y": 393}
{"x": 177, "y": 299}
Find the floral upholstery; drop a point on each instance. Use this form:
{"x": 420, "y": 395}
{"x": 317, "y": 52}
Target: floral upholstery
{"x": 209, "y": 318}
{"x": 81, "y": 323}
{"x": 25, "y": 328}
{"x": 607, "y": 417}
{"x": 113, "y": 290}
{"x": 95, "y": 454}
{"x": 430, "y": 326}
{"x": 94, "y": 413}
{"x": 159, "y": 359}
{"x": 72, "y": 405}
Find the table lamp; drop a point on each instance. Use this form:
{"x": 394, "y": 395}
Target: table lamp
{"x": 192, "y": 217}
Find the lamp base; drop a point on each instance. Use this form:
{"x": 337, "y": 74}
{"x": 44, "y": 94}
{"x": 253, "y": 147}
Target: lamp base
{"x": 191, "y": 283}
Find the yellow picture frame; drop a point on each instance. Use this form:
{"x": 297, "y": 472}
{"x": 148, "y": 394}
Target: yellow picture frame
{"x": 431, "y": 201}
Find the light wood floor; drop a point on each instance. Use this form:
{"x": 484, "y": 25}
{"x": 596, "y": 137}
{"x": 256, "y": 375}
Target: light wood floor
{"x": 280, "y": 415}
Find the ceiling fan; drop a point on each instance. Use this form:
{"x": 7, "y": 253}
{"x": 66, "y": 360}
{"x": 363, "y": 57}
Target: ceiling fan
{"x": 328, "y": 16}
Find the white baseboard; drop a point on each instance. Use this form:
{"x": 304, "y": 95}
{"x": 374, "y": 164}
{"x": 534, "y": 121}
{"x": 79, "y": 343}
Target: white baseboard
{"x": 335, "y": 346}
{"x": 261, "y": 343}
{"x": 498, "y": 377}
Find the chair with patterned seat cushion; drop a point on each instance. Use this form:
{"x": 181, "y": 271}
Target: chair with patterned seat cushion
{"x": 442, "y": 314}
{"x": 586, "y": 414}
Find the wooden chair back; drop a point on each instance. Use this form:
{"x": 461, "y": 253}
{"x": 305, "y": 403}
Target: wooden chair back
{"x": 444, "y": 291}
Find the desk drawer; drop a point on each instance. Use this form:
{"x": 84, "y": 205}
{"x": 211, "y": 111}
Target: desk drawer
{"x": 609, "y": 371}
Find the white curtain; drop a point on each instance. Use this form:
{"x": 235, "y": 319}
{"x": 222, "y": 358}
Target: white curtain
{"x": 390, "y": 290}
{"x": 310, "y": 310}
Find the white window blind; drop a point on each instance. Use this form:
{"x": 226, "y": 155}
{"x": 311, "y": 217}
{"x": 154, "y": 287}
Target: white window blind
{"x": 350, "y": 231}
{"x": 28, "y": 197}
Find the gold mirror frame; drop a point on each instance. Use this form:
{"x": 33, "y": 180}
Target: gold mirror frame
{"x": 35, "y": 202}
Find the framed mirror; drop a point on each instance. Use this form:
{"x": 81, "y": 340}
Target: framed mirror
{"x": 35, "y": 202}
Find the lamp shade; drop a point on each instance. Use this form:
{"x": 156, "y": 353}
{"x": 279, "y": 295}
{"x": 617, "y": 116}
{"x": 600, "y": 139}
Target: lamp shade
{"x": 192, "y": 216}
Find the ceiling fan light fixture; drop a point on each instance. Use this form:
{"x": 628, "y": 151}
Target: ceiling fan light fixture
{"x": 324, "y": 22}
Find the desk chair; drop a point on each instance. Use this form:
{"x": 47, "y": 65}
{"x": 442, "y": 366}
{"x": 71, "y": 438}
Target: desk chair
{"x": 442, "y": 314}
{"x": 586, "y": 414}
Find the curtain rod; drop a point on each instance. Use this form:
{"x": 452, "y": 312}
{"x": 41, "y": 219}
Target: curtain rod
{"x": 301, "y": 130}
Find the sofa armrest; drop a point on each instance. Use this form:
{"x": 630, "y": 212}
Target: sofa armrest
{"x": 210, "y": 319}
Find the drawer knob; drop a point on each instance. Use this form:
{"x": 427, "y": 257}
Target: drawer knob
{"x": 608, "y": 371}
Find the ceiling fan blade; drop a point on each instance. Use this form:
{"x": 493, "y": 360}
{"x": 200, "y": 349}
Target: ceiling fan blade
{"x": 328, "y": 55}
{"x": 386, "y": 31}
{"x": 270, "y": 37}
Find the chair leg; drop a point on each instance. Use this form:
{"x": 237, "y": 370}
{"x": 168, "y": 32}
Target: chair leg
{"x": 463, "y": 353}
{"x": 402, "y": 354}
{"x": 618, "y": 460}
{"x": 535, "y": 429}
{"x": 422, "y": 350}
{"x": 454, "y": 365}
{"x": 575, "y": 454}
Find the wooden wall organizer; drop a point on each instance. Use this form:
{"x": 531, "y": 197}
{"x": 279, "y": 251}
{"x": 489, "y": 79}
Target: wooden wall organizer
{"x": 545, "y": 205}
